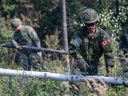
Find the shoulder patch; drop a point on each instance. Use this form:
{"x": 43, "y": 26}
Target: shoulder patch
{"x": 105, "y": 42}
{"x": 76, "y": 41}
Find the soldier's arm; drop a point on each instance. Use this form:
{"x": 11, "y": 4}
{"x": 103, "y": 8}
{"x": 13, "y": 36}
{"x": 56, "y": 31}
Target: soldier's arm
{"x": 74, "y": 46}
{"x": 14, "y": 43}
{"x": 107, "y": 49}
{"x": 33, "y": 36}
{"x": 35, "y": 40}
{"x": 74, "y": 52}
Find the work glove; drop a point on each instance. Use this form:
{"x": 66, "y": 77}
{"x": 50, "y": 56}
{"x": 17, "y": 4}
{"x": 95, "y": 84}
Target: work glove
{"x": 16, "y": 45}
{"x": 82, "y": 65}
{"x": 40, "y": 57}
{"x": 109, "y": 66}
{"x": 110, "y": 70}
{"x": 2, "y": 45}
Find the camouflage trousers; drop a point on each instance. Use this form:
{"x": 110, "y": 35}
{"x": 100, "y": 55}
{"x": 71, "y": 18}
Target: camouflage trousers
{"x": 28, "y": 61}
{"x": 94, "y": 68}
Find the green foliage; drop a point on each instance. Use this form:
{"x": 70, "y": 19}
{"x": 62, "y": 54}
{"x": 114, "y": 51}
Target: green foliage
{"x": 118, "y": 91}
{"x": 2, "y": 26}
{"x": 19, "y": 86}
{"x": 123, "y": 13}
{"x": 3, "y": 57}
{"x": 8, "y": 7}
{"x": 8, "y": 34}
{"x": 109, "y": 22}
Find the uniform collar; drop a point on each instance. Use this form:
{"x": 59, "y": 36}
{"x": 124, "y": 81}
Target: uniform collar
{"x": 85, "y": 33}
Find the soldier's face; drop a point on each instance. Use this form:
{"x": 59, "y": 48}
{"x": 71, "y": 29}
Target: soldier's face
{"x": 16, "y": 28}
{"x": 91, "y": 28}
{"x": 13, "y": 27}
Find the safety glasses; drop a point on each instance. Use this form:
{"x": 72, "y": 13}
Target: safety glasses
{"x": 90, "y": 24}
{"x": 13, "y": 27}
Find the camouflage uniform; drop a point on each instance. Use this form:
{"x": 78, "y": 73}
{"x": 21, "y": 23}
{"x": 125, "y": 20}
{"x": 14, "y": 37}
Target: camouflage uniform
{"x": 88, "y": 50}
{"x": 89, "y": 43}
{"x": 26, "y": 57}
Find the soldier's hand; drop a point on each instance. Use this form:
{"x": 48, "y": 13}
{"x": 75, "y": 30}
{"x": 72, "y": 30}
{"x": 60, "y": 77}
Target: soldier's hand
{"x": 65, "y": 61}
{"x": 82, "y": 65}
{"x": 2, "y": 45}
{"x": 109, "y": 71}
{"x": 18, "y": 47}
{"x": 100, "y": 87}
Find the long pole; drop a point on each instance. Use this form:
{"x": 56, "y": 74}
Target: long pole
{"x": 65, "y": 35}
{"x": 62, "y": 77}
{"x": 36, "y": 48}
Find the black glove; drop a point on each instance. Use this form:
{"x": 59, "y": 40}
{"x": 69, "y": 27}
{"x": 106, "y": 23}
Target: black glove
{"x": 109, "y": 70}
{"x": 82, "y": 65}
{"x": 2, "y": 45}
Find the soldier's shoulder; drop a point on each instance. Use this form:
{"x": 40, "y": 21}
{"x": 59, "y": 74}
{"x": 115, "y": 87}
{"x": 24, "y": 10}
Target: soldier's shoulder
{"x": 29, "y": 31}
{"x": 79, "y": 31}
{"x": 76, "y": 39}
{"x": 102, "y": 32}
{"x": 74, "y": 33}
{"x": 27, "y": 28}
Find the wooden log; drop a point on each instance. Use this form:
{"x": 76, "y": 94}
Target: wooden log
{"x": 62, "y": 77}
{"x": 36, "y": 48}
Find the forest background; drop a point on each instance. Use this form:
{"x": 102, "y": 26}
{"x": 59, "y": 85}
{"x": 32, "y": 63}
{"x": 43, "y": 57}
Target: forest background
{"x": 45, "y": 16}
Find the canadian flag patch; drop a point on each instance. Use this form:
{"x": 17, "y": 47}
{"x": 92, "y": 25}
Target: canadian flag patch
{"x": 105, "y": 42}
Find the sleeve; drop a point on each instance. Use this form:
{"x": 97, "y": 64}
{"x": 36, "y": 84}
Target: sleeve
{"x": 74, "y": 46}
{"x": 14, "y": 43}
{"x": 74, "y": 49}
{"x": 35, "y": 40}
{"x": 107, "y": 50}
{"x": 33, "y": 35}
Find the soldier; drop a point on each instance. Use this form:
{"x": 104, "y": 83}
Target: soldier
{"x": 25, "y": 35}
{"x": 89, "y": 43}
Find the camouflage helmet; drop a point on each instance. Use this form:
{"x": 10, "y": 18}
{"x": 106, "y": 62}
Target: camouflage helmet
{"x": 90, "y": 16}
{"x": 16, "y": 22}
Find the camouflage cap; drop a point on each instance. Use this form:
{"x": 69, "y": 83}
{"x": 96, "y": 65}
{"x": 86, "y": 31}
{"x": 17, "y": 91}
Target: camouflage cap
{"x": 16, "y": 22}
{"x": 90, "y": 16}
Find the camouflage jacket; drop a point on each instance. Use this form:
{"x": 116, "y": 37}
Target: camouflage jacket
{"x": 91, "y": 48}
{"x": 26, "y": 36}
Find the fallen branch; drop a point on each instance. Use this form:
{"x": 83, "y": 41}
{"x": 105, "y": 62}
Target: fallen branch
{"x": 36, "y": 48}
{"x": 62, "y": 77}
